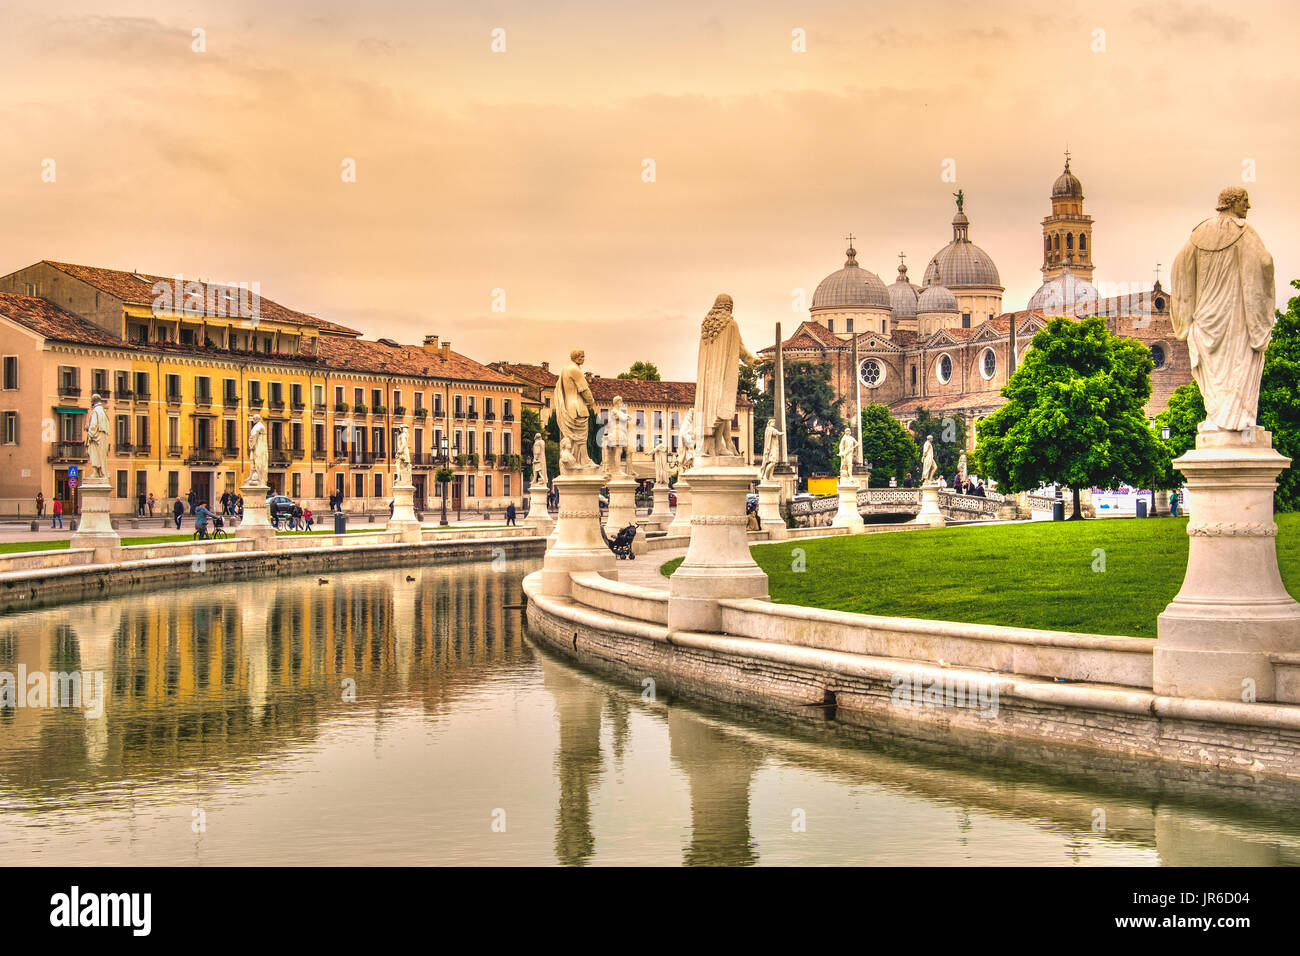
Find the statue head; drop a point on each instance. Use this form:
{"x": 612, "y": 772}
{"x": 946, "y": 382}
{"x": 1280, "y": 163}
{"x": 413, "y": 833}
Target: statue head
{"x": 256, "y": 418}
{"x": 95, "y": 399}
{"x": 618, "y": 401}
{"x": 722, "y": 303}
{"x": 1234, "y": 199}
{"x": 578, "y": 356}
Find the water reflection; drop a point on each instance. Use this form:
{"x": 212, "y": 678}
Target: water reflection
{"x": 391, "y": 716}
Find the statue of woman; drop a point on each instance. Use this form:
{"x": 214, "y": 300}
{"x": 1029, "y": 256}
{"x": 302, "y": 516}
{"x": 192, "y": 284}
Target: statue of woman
{"x": 574, "y": 407}
{"x": 539, "y": 460}
{"x": 257, "y": 453}
{"x": 403, "y": 456}
{"x": 848, "y": 447}
{"x": 929, "y": 468}
{"x": 688, "y": 442}
{"x": 771, "y": 450}
{"x": 660, "y": 455}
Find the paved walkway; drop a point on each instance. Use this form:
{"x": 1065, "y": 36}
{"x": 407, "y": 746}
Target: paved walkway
{"x": 644, "y": 571}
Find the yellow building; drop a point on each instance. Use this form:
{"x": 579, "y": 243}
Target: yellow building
{"x": 181, "y": 367}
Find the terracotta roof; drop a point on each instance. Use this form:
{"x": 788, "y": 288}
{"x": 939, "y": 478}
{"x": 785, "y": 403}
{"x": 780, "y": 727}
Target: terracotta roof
{"x": 904, "y": 338}
{"x": 136, "y": 288}
{"x": 48, "y": 320}
{"x": 532, "y": 373}
{"x": 935, "y": 403}
{"x": 809, "y": 335}
{"x": 364, "y": 355}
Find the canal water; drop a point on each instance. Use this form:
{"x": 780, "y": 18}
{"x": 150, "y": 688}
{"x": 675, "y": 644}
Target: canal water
{"x": 401, "y": 716}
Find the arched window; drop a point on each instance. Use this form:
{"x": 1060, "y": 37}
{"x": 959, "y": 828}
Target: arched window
{"x": 1158, "y": 356}
{"x": 1056, "y": 242}
{"x": 830, "y": 325}
{"x": 1083, "y": 243}
{"x": 913, "y": 378}
{"x": 1069, "y": 242}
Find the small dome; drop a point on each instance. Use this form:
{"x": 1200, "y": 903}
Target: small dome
{"x": 902, "y": 296}
{"x": 1067, "y": 185}
{"x": 852, "y": 287}
{"x": 936, "y": 298}
{"x": 1067, "y": 294}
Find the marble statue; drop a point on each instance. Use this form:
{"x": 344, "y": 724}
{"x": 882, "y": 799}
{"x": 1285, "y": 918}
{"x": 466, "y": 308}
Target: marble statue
{"x": 539, "y": 460}
{"x": 403, "y": 456}
{"x": 771, "y": 450}
{"x": 688, "y": 442}
{"x": 721, "y": 352}
{"x": 961, "y": 467}
{"x": 614, "y": 459}
{"x": 848, "y": 447}
{"x": 574, "y": 407}
{"x": 660, "y": 455}
{"x": 97, "y": 438}
{"x": 257, "y": 453}
{"x": 1222, "y": 304}
{"x": 929, "y": 468}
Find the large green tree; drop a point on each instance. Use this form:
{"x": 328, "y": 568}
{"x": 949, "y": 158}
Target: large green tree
{"x": 1074, "y": 414}
{"x": 1279, "y": 399}
{"x": 645, "y": 371}
{"x": 949, "y": 434}
{"x": 886, "y": 444}
{"x": 813, "y": 422}
{"x": 1186, "y": 410}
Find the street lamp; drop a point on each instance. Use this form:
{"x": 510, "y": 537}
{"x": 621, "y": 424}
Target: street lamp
{"x": 1164, "y": 432}
{"x": 444, "y": 470}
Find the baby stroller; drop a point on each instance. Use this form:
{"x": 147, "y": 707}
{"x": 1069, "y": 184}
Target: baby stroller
{"x": 622, "y": 543}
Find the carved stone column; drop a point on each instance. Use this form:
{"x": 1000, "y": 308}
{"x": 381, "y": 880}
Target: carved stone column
{"x": 1233, "y": 613}
{"x": 930, "y": 513}
{"x": 682, "y": 519}
{"x": 95, "y": 525}
{"x": 662, "y": 516}
{"x": 403, "y": 520}
{"x": 848, "y": 515}
{"x": 538, "y": 515}
{"x": 769, "y": 510}
{"x": 578, "y": 545}
{"x": 622, "y": 504}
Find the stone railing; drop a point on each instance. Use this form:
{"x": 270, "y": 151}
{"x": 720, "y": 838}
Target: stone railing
{"x": 1041, "y": 503}
{"x": 971, "y": 506}
{"x": 889, "y": 500}
{"x": 821, "y": 504}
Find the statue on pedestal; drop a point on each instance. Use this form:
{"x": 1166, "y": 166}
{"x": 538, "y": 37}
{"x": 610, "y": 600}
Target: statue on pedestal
{"x": 771, "y": 450}
{"x": 539, "y": 460}
{"x": 721, "y": 351}
{"x": 403, "y": 456}
{"x": 929, "y": 468}
{"x": 1223, "y": 304}
{"x": 574, "y": 407}
{"x": 688, "y": 442}
{"x": 615, "y": 444}
{"x": 660, "y": 455}
{"x": 97, "y": 439}
{"x": 848, "y": 449}
{"x": 961, "y": 468}
{"x": 257, "y": 453}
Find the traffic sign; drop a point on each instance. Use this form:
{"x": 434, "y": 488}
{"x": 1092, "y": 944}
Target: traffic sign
{"x": 72, "y": 471}
{"x": 72, "y": 482}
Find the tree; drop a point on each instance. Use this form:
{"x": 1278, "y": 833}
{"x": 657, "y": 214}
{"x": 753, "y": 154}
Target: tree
{"x": 813, "y": 422}
{"x": 949, "y": 439}
{"x": 1074, "y": 414}
{"x": 1279, "y": 399}
{"x": 886, "y": 444}
{"x": 1186, "y": 410}
{"x": 645, "y": 371}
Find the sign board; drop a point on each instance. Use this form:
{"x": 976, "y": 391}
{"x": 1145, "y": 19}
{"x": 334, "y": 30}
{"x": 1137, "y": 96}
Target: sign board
{"x": 72, "y": 471}
{"x": 72, "y": 482}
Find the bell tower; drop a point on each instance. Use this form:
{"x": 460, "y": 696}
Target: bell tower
{"x": 1067, "y": 232}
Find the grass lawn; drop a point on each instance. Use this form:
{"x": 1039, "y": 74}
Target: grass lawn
{"x": 1036, "y": 574}
{"x": 17, "y": 547}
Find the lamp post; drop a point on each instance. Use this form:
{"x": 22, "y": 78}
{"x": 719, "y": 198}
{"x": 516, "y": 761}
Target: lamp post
{"x": 443, "y": 450}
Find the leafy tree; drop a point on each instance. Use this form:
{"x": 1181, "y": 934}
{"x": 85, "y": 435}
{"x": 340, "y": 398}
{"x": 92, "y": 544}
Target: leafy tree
{"x": 949, "y": 440}
{"x": 886, "y": 444}
{"x": 1186, "y": 410}
{"x": 530, "y": 423}
{"x": 750, "y": 375}
{"x": 645, "y": 371}
{"x": 1074, "y": 414}
{"x": 812, "y": 419}
{"x": 1279, "y": 399}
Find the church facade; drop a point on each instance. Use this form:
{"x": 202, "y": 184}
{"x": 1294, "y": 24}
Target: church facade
{"x": 946, "y": 345}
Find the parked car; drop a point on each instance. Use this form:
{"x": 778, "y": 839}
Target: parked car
{"x": 279, "y": 506}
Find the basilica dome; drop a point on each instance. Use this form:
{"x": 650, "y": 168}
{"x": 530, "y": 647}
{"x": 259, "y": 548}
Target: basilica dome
{"x": 852, "y": 287}
{"x": 902, "y": 296}
{"x": 961, "y": 262}
{"x": 936, "y": 298}
{"x": 1066, "y": 294}
{"x": 1067, "y": 185}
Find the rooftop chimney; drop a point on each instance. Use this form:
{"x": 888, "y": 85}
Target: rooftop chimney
{"x": 446, "y": 351}
{"x": 546, "y": 366}
{"x": 431, "y": 343}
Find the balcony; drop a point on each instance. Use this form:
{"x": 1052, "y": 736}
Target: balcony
{"x": 230, "y": 451}
{"x": 142, "y": 451}
{"x": 458, "y": 414}
{"x": 421, "y": 413}
{"x": 341, "y": 407}
{"x": 124, "y": 448}
{"x": 173, "y": 451}
{"x": 140, "y": 396}
{"x": 360, "y": 410}
{"x": 203, "y": 400}
{"x": 70, "y": 451}
{"x": 361, "y": 459}
{"x": 104, "y": 393}
{"x": 279, "y": 456}
{"x": 472, "y": 415}
{"x": 399, "y": 410}
{"x": 297, "y": 405}
{"x": 276, "y": 405}
{"x": 297, "y": 454}
{"x": 230, "y": 401}
{"x": 507, "y": 417}
{"x": 69, "y": 391}
{"x": 340, "y": 454}
{"x": 173, "y": 398}
{"x": 318, "y": 408}
{"x": 379, "y": 410}
{"x": 125, "y": 395}
{"x": 255, "y": 402}
{"x": 203, "y": 455}
{"x": 318, "y": 454}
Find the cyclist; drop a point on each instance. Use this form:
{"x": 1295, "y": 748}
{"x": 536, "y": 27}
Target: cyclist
{"x": 201, "y": 516}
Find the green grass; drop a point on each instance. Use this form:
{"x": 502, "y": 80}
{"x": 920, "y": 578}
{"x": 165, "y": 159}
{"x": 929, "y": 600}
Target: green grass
{"x": 19, "y": 547}
{"x": 1036, "y": 574}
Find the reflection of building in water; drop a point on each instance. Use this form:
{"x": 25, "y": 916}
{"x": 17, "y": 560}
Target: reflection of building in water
{"x": 202, "y": 675}
{"x": 578, "y": 762}
{"x": 719, "y": 768}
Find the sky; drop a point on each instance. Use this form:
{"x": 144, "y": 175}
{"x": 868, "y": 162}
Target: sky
{"x": 502, "y": 198}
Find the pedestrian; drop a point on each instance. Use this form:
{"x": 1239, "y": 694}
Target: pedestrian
{"x": 390, "y": 508}
{"x": 192, "y": 497}
{"x": 510, "y": 513}
{"x": 56, "y": 515}
{"x": 152, "y": 502}
{"x": 139, "y": 504}
{"x": 295, "y": 517}
{"x": 40, "y": 504}
{"x": 239, "y": 504}
{"x": 307, "y": 519}
{"x": 907, "y": 481}
{"x": 1173, "y": 504}
{"x": 178, "y": 510}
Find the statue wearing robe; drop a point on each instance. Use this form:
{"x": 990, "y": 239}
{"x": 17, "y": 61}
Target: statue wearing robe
{"x": 574, "y": 407}
{"x": 721, "y": 351}
{"x": 1222, "y": 304}
{"x": 615, "y": 444}
{"x": 97, "y": 439}
{"x": 771, "y": 450}
{"x": 660, "y": 455}
{"x": 848, "y": 446}
{"x": 688, "y": 442}
{"x": 539, "y": 460}
{"x": 929, "y": 468}
{"x": 403, "y": 456}
{"x": 257, "y": 454}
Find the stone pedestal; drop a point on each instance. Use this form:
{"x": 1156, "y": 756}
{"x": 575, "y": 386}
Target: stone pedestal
{"x": 1159, "y": 503}
{"x": 682, "y": 519}
{"x": 717, "y": 564}
{"x": 1215, "y": 639}
{"x": 538, "y": 516}
{"x": 95, "y": 527}
{"x": 848, "y": 515}
{"x": 622, "y": 504}
{"x": 769, "y": 510}
{"x": 256, "y": 523}
{"x": 578, "y": 545}
{"x": 930, "y": 513}
{"x": 662, "y": 515}
{"x": 403, "y": 520}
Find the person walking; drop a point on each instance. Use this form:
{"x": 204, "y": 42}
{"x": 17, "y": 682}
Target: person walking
{"x": 390, "y": 508}
{"x": 192, "y": 498}
{"x": 152, "y": 502}
{"x": 1173, "y": 504}
{"x": 40, "y": 504}
{"x": 306, "y": 519}
{"x": 510, "y": 514}
{"x": 178, "y": 510}
{"x": 56, "y": 514}
{"x": 139, "y": 505}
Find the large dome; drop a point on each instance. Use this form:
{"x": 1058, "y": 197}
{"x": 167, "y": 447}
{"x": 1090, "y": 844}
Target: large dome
{"x": 902, "y": 296}
{"x": 936, "y": 298}
{"x": 1067, "y": 294}
{"x": 1067, "y": 185}
{"x": 852, "y": 287}
{"x": 961, "y": 262}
